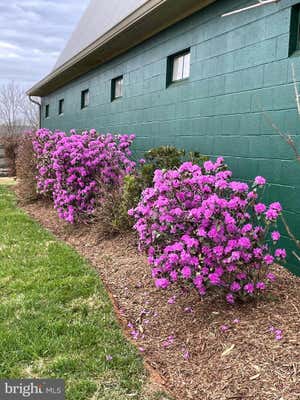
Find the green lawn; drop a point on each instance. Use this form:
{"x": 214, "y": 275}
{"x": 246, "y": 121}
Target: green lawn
{"x": 55, "y": 318}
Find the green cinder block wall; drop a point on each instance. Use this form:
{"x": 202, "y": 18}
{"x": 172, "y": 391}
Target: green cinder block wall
{"x": 240, "y": 72}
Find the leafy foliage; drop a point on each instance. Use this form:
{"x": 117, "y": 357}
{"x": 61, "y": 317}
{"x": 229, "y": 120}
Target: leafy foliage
{"x": 165, "y": 157}
{"x": 114, "y": 211}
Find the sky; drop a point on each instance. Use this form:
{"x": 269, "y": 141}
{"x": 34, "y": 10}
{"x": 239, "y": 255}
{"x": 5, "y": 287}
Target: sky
{"x": 32, "y": 35}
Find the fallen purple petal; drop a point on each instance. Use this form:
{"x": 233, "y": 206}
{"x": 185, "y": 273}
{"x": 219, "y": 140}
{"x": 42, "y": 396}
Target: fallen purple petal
{"x": 224, "y": 328}
{"x": 271, "y": 329}
{"x": 172, "y": 300}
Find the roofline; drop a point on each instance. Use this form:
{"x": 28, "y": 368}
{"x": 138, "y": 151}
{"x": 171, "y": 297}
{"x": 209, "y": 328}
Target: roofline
{"x": 149, "y": 19}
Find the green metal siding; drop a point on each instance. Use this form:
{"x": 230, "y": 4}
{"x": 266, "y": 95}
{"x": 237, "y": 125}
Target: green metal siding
{"x": 240, "y": 68}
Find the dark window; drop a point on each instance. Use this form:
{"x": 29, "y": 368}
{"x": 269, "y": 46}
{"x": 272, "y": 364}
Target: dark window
{"x": 61, "y": 104}
{"x": 47, "y": 111}
{"x": 85, "y": 98}
{"x": 117, "y": 88}
{"x": 178, "y": 67}
{"x": 295, "y": 29}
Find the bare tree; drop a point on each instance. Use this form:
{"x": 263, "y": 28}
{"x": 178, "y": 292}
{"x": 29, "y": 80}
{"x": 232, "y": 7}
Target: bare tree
{"x": 10, "y": 107}
{"x": 16, "y": 110}
{"x": 17, "y": 114}
{"x": 30, "y": 113}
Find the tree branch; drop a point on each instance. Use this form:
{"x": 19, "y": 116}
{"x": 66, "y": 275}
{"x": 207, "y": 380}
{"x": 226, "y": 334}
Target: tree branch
{"x": 290, "y": 233}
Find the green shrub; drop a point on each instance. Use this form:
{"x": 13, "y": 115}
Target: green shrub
{"x": 132, "y": 189}
{"x": 165, "y": 157}
{"x": 112, "y": 210}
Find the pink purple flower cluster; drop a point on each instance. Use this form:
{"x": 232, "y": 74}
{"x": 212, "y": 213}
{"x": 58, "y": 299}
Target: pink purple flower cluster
{"x": 77, "y": 169}
{"x": 44, "y": 144}
{"x": 203, "y": 229}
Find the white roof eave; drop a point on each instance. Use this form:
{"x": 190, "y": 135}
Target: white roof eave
{"x": 149, "y": 18}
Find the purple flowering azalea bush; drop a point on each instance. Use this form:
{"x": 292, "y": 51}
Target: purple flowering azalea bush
{"x": 77, "y": 170}
{"x": 44, "y": 144}
{"x": 202, "y": 229}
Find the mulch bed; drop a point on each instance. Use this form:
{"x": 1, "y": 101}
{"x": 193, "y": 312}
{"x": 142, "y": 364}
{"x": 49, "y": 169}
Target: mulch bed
{"x": 200, "y": 349}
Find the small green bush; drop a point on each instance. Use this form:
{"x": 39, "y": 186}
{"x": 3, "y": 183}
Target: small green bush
{"x": 166, "y": 157}
{"x": 132, "y": 189}
{"x": 113, "y": 211}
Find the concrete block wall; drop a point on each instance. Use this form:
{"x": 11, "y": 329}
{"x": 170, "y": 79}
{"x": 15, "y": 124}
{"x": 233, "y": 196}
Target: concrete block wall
{"x": 240, "y": 72}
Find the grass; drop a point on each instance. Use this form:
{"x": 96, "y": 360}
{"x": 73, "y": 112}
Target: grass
{"x": 56, "y": 319}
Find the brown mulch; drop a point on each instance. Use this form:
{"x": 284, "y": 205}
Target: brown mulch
{"x": 201, "y": 349}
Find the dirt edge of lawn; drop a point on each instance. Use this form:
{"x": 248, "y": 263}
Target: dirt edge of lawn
{"x": 194, "y": 349}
